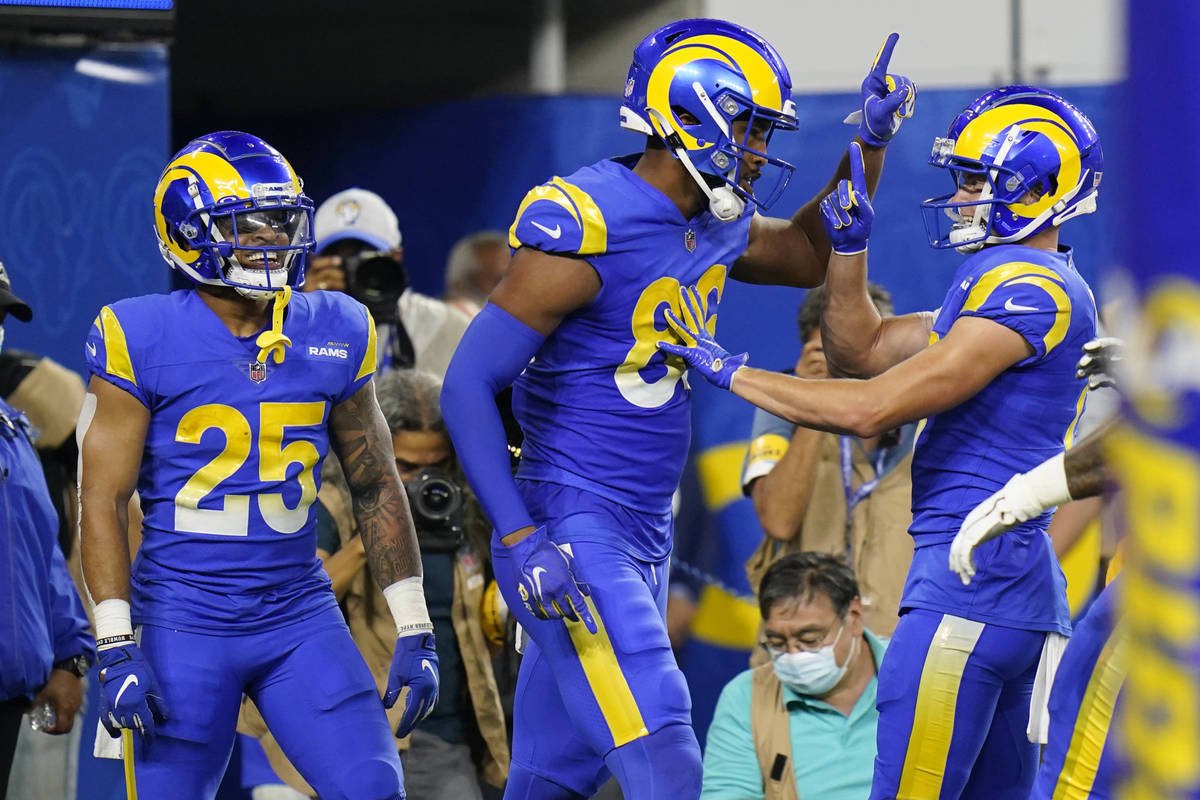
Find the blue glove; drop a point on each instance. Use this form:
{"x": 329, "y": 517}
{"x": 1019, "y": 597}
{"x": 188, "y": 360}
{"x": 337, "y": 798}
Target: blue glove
{"x": 888, "y": 100}
{"x": 546, "y": 580}
{"x": 847, "y": 212}
{"x": 129, "y": 693}
{"x": 415, "y": 665}
{"x": 699, "y": 349}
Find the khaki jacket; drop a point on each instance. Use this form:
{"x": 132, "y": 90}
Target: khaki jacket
{"x": 769, "y": 727}
{"x": 880, "y": 546}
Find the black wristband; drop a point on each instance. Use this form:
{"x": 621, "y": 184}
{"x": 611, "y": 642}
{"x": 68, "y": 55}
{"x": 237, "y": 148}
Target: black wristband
{"x": 114, "y": 640}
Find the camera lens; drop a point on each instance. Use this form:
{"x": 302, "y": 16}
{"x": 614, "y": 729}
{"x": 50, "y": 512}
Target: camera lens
{"x": 437, "y": 497}
{"x": 434, "y": 497}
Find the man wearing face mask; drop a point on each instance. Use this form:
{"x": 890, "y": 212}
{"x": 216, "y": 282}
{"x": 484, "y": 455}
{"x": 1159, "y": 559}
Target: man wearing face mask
{"x": 815, "y": 699}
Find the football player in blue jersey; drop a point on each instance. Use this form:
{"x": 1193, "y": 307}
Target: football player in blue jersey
{"x": 993, "y": 374}
{"x": 583, "y": 535}
{"x": 217, "y": 404}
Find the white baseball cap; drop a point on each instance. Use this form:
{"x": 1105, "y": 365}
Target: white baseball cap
{"x": 356, "y": 214}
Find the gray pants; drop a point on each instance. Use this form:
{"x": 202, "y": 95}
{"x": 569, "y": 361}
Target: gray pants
{"x": 434, "y": 769}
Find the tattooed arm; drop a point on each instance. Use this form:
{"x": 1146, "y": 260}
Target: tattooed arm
{"x": 364, "y": 446}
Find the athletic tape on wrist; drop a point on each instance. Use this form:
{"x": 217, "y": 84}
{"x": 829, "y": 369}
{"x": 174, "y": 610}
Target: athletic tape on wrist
{"x": 406, "y": 599}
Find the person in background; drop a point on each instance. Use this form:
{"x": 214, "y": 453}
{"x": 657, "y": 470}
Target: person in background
{"x": 475, "y": 265}
{"x": 46, "y": 646}
{"x": 359, "y": 252}
{"x": 803, "y": 724}
{"x": 843, "y": 495}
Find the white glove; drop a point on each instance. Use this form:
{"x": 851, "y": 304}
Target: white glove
{"x": 1025, "y": 496}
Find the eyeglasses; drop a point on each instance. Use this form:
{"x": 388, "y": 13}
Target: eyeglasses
{"x": 807, "y": 642}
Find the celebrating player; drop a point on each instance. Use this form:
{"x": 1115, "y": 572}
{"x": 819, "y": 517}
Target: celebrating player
{"x": 993, "y": 371}
{"x": 584, "y": 534}
{"x": 218, "y": 403}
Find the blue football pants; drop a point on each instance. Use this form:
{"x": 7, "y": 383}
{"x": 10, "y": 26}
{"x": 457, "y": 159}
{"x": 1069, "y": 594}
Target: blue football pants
{"x": 615, "y": 702}
{"x": 312, "y": 687}
{"x": 953, "y": 702}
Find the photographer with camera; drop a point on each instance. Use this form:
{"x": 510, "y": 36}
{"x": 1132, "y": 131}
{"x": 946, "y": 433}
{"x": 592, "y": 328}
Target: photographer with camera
{"x": 359, "y": 253}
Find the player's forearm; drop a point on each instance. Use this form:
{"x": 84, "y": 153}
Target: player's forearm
{"x": 837, "y": 406}
{"x": 850, "y": 323}
{"x": 1087, "y": 469}
{"x": 378, "y": 500}
{"x": 104, "y": 547}
{"x": 781, "y": 497}
{"x": 492, "y": 353}
{"x": 388, "y": 536}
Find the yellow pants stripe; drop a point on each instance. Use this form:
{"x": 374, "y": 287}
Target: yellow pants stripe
{"x": 937, "y": 700}
{"x": 1082, "y": 761}
{"x": 608, "y": 683}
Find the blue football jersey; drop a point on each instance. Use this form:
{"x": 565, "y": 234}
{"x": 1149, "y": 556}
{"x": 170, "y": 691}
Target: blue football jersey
{"x": 1024, "y": 416}
{"x": 232, "y": 458}
{"x": 601, "y": 407}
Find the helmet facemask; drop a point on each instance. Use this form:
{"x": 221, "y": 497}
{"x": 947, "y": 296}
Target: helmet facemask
{"x": 1038, "y": 159}
{"x": 256, "y": 242}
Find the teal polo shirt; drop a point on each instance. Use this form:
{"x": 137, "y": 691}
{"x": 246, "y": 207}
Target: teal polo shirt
{"x": 833, "y": 755}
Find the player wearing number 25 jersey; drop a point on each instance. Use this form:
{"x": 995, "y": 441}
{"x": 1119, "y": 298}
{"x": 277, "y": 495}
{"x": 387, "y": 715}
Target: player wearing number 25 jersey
{"x": 230, "y": 467}
{"x": 583, "y": 535}
{"x": 217, "y": 404}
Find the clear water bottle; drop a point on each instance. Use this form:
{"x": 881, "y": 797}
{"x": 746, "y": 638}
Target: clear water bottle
{"x": 43, "y": 717}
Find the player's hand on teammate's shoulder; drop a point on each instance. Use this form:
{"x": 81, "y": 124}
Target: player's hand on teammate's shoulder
{"x": 887, "y": 100}
{"x": 696, "y": 345}
{"x": 414, "y": 667}
{"x": 546, "y": 579}
{"x": 846, "y": 212}
{"x": 129, "y": 693}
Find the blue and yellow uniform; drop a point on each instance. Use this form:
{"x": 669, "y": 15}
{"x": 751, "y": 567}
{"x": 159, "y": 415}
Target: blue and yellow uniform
{"x": 227, "y": 589}
{"x": 955, "y": 687}
{"x": 606, "y": 419}
{"x": 1081, "y": 760}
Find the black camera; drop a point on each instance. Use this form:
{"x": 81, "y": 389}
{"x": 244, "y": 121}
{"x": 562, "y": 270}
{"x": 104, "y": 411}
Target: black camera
{"x": 375, "y": 279}
{"x": 438, "y": 508}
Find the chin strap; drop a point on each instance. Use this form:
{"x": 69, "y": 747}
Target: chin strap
{"x": 272, "y": 342}
{"x": 723, "y": 202}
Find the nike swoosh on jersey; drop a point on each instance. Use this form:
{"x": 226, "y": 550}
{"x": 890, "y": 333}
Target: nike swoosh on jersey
{"x": 91, "y": 349}
{"x": 1009, "y": 305}
{"x": 130, "y": 680}
{"x": 553, "y": 233}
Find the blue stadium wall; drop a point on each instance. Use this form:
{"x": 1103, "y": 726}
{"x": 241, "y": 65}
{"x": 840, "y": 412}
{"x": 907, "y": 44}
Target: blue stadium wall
{"x": 84, "y": 135}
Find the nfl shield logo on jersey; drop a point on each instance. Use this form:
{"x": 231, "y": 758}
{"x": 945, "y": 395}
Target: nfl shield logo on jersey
{"x": 689, "y": 240}
{"x": 258, "y": 371}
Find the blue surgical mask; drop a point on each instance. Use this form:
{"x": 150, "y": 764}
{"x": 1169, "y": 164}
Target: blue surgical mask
{"x": 813, "y": 673}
